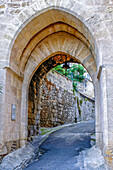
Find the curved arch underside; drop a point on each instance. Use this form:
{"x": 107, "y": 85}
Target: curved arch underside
{"x": 50, "y": 63}
{"x": 64, "y": 43}
{"x": 49, "y": 33}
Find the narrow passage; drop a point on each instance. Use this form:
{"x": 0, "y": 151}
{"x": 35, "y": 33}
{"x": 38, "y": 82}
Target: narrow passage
{"x": 62, "y": 147}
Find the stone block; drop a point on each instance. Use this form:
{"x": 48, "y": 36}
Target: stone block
{"x": 17, "y": 159}
{"x": 3, "y": 151}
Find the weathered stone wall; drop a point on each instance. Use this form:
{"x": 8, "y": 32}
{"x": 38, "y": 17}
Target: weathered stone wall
{"x": 57, "y": 102}
{"x": 12, "y": 126}
{"x": 22, "y": 29}
{"x": 86, "y": 88}
{"x": 85, "y": 107}
{"x": 59, "y": 105}
{"x": 33, "y": 109}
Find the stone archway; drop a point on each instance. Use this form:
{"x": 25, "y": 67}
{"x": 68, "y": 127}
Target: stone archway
{"x": 57, "y": 43}
{"x": 34, "y": 98}
{"x": 37, "y": 41}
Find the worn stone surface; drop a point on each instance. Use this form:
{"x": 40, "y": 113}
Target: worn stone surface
{"x": 18, "y": 158}
{"x": 91, "y": 159}
{"x": 86, "y": 88}
{"x": 59, "y": 105}
{"x": 56, "y": 101}
{"x": 26, "y": 43}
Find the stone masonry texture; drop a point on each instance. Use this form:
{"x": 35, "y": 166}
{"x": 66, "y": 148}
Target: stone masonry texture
{"x": 52, "y": 103}
{"x": 31, "y": 32}
{"x": 58, "y": 103}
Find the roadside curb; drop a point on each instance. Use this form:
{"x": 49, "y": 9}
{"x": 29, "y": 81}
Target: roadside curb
{"x": 20, "y": 158}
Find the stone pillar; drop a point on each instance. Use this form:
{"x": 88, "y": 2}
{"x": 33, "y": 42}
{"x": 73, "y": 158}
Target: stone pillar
{"x": 24, "y": 115}
{"x": 97, "y": 114}
{"x": 3, "y": 149}
{"x": 106, "y": 84}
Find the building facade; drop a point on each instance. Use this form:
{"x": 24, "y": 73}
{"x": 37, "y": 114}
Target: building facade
{"x": 33, "y": 32}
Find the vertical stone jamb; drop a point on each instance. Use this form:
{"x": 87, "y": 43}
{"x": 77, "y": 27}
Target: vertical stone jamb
{"x": 106, "y": 119}
{"x": 3, "y": 149}
{"x": 108, "y": 149}
{"x": 97, "y": 114}
{"x": 104, "y": 112}
{"x": 24, "y": 115}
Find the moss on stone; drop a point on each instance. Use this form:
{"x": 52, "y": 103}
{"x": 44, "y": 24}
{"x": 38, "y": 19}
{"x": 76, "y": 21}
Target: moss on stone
{"x": 81, "y": 101}
{"x": 79, "y": 111}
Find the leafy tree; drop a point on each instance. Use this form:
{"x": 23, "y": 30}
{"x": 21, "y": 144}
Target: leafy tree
{"x": 75, "y": 73}
{"x": 78, "y": 72}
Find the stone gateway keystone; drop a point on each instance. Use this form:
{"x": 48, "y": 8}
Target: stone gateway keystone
{"x": 32, "y": 32}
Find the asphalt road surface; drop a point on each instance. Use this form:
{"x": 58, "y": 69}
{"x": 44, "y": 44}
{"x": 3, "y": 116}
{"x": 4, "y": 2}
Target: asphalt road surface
{"x": 61, "y": 147}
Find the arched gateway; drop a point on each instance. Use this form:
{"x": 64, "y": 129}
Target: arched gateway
{"x": 51, "y": 33}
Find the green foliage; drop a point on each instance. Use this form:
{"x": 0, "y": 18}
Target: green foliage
{"x": 59, "y": 69}
{"x": 79, "y": 111}
{"x": 52, "y": 71}
{"x": 74, "y": 86}
{"x": 86, "y": 99}
{"x": 81, "y": 101}
{"x": 44, "y": 131}
{"x": 75, "y": 73}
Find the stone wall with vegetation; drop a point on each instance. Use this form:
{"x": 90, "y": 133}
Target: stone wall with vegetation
{"x": 26, "y": 41}
{"x": 58, "y": 104}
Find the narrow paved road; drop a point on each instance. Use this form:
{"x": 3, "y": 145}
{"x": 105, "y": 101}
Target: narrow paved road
{"x": 62, "y": 147}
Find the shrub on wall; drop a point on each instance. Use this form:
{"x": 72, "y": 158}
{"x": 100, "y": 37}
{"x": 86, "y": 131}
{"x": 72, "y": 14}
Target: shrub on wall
{"x": 74, "y": 73}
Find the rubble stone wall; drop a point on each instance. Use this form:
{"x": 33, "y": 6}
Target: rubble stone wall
{"x": 59, "y": 105}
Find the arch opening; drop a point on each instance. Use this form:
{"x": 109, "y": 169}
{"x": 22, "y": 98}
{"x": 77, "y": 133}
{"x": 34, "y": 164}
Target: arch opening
{"x": 38, "y": 114}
